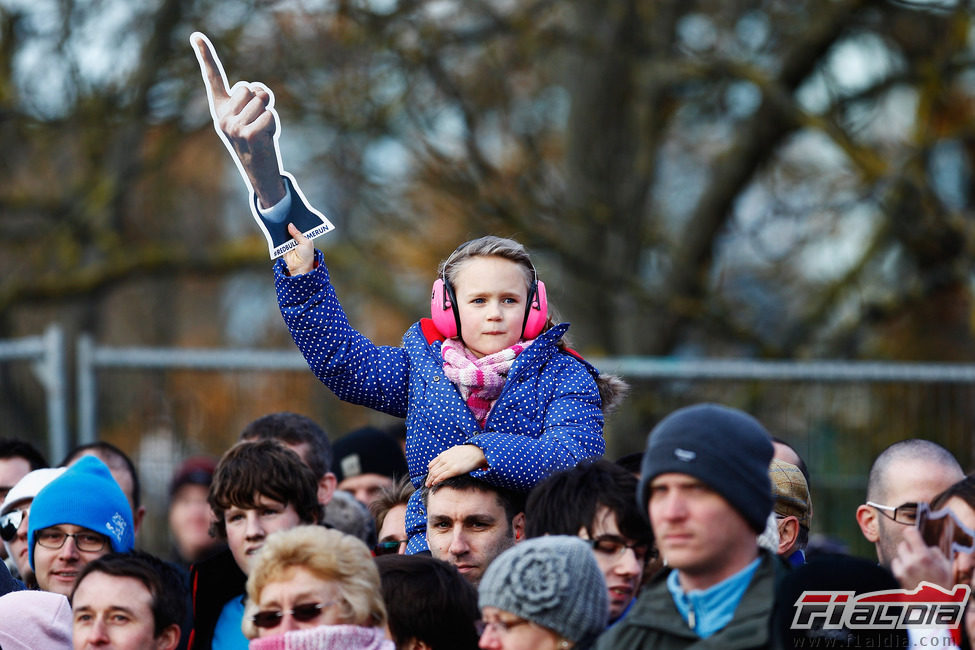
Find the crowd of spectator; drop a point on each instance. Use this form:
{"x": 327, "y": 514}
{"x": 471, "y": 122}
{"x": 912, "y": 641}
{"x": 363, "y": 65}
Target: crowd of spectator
{"x": 704, "y": 544}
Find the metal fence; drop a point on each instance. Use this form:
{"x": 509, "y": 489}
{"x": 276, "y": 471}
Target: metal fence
{"x": 92, "y": 358}
{"x": 46, "y": 355}
{"x": 838, "y": 415}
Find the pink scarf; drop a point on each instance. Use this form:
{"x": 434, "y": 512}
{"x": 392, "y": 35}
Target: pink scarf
{"x": 327, "y": 637}
{"x": 479, "y": 380}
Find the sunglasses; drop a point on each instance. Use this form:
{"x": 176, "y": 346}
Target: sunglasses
{"x": 387, "y": 548}
{"x": 303, "y": 613}
{"x": 9, "y": 523}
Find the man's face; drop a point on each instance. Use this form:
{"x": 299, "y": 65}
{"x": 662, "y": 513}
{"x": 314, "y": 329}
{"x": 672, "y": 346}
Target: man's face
{"x": 468, "y": 528}
{"x": 907, "y": 481}
{"x": 18, "y": 545}
{"x": 116, "y": 612}
{"x": 247, "y": 528}
{"x": 12, "y": 470}
{"x": 620, "y": 565}
{"x": 56, "y": 569}
{"x": 697, "y": 531}
{"x": 365, "y": 487}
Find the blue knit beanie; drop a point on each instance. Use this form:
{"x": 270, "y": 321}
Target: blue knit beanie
{"x": 726, "y": 449}
{"x": 85, "y": 495}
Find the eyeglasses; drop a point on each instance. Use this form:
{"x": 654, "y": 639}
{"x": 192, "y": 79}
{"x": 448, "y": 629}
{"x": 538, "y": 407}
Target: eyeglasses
{"x": 499, "y": 626}
{"x": 615, "y": 547}
{"x": 390, "y": 547}
{"x": 303, "y": 613}
{"x": 54, "y": 539}
{"x": 9, "y": 523}
{"x": 906, "y": 513}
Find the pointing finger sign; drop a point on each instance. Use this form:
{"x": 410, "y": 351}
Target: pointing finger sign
{"x": 246, "y": 122}
{"x": 214, "y": 77}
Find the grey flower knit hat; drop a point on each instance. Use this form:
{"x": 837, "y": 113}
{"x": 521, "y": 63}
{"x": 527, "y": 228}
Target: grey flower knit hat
{"x": 552, "y": 581}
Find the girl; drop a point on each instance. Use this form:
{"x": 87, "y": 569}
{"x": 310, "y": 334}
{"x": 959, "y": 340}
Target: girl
{"x": 486, "y": 385}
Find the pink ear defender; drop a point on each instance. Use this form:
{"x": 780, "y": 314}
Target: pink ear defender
{"x": 446, "y": 317}
{"x": 536, "y": 312}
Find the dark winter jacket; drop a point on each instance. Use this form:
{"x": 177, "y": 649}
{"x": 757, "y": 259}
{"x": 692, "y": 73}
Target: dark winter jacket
{"x": 214, "y": 582}
{"x": 655, "y": 622}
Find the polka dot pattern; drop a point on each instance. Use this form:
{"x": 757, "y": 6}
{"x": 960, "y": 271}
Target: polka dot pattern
{"x": 547, "y": 418}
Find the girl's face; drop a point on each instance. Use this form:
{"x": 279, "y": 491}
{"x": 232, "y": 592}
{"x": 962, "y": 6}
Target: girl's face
{"x": 491, "y": 293}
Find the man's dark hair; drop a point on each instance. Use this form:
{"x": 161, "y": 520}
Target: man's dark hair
{"x": 15, "y": 448}
{"x": 512, "y": 501}
{"x": 164, "y": 582}
{"x": 104, "y": 450}
{"x": 389, "y": 497}
{"x": 262, "y": 467}
{"x": 294, "y": 429}
{"x": 428, "y": 600}
{"x": 569, "y": 500}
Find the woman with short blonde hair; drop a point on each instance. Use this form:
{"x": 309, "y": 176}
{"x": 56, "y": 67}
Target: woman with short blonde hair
{"x": 318, "y": 586}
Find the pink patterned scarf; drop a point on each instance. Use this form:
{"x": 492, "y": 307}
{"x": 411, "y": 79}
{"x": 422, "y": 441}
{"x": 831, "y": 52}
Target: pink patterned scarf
{"x": 479, "y": 380}
{"x": 327, "y": 637}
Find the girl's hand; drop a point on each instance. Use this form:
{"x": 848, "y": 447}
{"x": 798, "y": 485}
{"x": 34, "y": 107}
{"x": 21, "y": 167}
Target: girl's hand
{"x": 454, "y": 462}
{"x": 301, "y": 258}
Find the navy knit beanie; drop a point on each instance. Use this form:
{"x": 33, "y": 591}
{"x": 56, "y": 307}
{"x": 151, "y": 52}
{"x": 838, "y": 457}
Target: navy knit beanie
{"x": 724, "y": 448}
{"x": 85, "y": 495}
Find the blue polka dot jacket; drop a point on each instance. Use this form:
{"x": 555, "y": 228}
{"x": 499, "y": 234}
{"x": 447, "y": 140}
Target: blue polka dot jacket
{"x": 547, "y": 418}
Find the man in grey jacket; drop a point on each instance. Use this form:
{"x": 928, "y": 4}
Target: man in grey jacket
{"x": 706, "y": 489}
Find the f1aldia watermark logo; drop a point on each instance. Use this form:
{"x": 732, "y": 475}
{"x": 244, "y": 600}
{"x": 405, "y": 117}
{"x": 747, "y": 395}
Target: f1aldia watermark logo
{"x": 927, "y": 606}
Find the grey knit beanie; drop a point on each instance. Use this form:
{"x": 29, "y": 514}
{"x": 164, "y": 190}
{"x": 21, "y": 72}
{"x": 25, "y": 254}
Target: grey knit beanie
{"x": 725, "y": 448}
{"x": 552, "y": 581}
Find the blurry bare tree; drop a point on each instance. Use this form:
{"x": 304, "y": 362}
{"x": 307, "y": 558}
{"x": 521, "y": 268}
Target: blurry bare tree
{"x": 772, "y": 178}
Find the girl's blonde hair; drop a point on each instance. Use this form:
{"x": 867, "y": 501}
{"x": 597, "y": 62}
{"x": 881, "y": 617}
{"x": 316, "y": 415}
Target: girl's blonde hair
{"x": 488, "y": 245}
{"x": 326, "y": 554}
